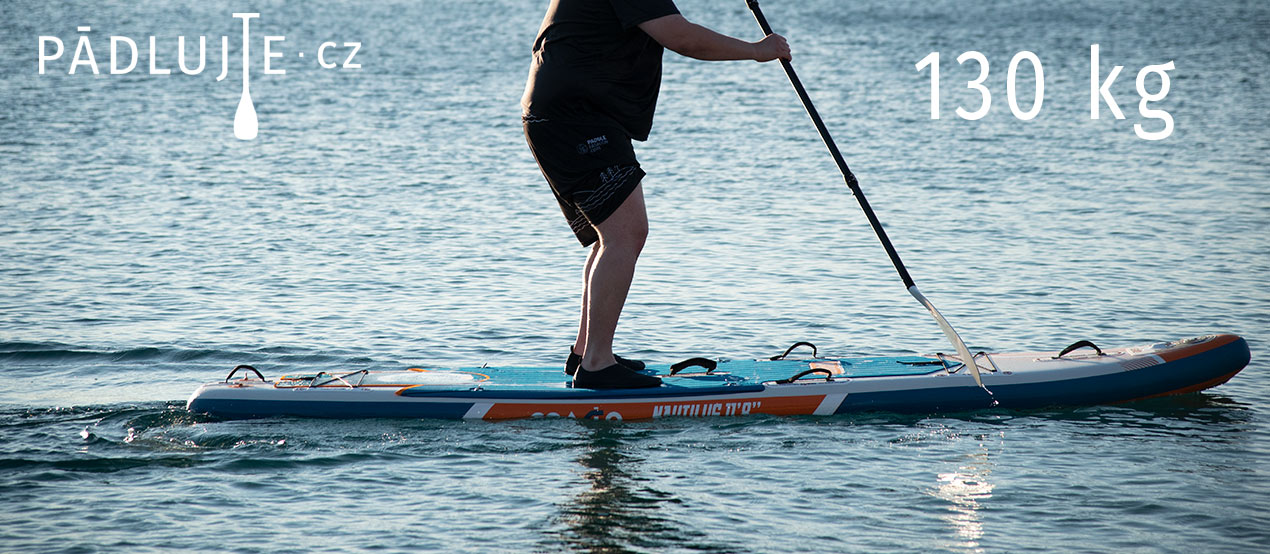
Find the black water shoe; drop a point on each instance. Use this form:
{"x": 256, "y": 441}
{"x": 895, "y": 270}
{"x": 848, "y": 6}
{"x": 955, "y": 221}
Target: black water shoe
{"x": 616, "y": 376}
{"x": 571, "y": 365}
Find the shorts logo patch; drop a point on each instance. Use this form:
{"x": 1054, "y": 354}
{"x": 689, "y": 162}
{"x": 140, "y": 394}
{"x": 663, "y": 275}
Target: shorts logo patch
{"x": 593, "y": 145}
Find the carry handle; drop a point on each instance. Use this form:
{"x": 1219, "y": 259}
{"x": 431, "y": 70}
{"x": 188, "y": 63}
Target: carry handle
{"x": 707, "y": 363}
{"x": 246, "y": 367}
{"x": 791, "y": 349}
{"x": 828, "y": 375}
{"x": 1078, "y": 345}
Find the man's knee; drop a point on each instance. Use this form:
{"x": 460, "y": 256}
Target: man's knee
{"x": 639, "y": 234}
{"x": 629, "y": 236}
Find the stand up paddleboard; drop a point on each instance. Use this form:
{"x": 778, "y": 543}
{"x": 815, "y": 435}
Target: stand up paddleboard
{"x": 1079, "y": 375}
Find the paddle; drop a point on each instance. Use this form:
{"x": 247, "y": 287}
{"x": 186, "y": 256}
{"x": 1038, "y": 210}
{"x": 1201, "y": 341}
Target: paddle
{"x": 952, "y": 335}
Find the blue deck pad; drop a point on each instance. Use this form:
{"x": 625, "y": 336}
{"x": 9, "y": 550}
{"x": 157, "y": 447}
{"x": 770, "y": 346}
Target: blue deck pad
{"x": 730, "y": 373}
{"x": 767, "y": 370}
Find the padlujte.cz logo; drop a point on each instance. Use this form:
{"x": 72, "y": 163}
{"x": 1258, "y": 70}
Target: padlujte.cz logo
{"x": 124, "y": 55}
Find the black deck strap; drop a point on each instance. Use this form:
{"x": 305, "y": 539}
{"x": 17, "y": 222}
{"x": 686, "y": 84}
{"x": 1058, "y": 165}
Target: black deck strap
{"x": 791, "y": 349}
{"x": 828, "y": 375}
{"x": 246, "y": 367}
{"x": 707, "y": 363}
{"x": 923, "y": 362}
{"x": 947, "y": 360}
{"x": 1077, "y": 345}
{"x": 989, "y": 358}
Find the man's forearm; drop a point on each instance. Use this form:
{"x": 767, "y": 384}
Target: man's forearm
{"x": 704, "y": 44}
{"x": 692, "y": 40}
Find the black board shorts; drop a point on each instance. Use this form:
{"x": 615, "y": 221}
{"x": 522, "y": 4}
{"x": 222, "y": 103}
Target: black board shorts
{"x": 591, "y": 169}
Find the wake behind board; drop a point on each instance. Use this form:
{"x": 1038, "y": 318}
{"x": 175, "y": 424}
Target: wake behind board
{"x": 1080, "y": 375}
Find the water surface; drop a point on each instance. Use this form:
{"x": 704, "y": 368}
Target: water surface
{"x": 392, "y": 216}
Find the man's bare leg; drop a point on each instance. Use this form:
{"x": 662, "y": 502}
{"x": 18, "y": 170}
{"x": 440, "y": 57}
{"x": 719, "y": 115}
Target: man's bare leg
{"x": 612, "y": 266}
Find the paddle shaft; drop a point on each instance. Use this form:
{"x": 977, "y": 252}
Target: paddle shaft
{"x": 967, "y": 358}
{"x": 837, "y": 156}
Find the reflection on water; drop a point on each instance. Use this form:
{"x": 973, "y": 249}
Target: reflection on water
{"x": 966, "y": 491}
{"x": 618, "y": 513}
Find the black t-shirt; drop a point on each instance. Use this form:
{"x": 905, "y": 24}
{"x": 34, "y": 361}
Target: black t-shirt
{"x": 593, "y": 64}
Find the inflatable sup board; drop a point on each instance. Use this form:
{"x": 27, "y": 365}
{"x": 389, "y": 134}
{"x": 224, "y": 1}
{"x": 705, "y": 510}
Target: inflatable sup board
{"x": 1081, "y": 374}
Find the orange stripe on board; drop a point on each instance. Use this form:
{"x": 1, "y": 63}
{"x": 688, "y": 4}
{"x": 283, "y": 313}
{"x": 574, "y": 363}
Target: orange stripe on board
{"x": 1193, "y": 388}
{"x": 615, "y": 409}
{"x": 1193, "y": 349}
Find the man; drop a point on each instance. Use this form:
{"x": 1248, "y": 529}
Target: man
{"x": 592, "y": 89}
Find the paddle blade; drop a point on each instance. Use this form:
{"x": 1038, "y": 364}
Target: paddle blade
{"x": 952, "y": 335}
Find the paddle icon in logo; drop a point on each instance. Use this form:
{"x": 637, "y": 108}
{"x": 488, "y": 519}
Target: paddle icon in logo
{"x": 245, "y": 124}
